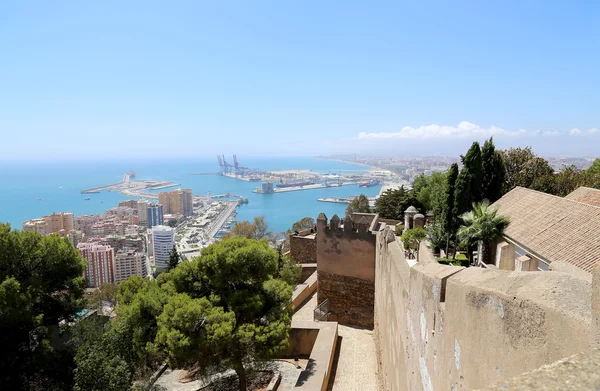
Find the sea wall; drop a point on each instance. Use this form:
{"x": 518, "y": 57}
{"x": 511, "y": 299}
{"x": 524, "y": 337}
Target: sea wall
{"x": 442, "y": 327}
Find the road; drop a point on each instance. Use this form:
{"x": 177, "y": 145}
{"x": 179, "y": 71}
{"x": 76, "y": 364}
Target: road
{"x": 216, "y": 225}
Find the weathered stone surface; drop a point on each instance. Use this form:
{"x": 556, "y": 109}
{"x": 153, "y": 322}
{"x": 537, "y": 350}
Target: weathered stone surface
{"x": 303, "y": 249}
{"x": 351, "y": 300}
{"x": 445, "y": 328}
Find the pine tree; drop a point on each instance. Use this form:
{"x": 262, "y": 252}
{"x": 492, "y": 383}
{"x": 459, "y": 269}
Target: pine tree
{"x": 493, "y": 172}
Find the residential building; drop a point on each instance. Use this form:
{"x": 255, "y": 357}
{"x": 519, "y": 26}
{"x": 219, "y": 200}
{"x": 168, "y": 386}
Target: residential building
{"x": 163, "y": 239}
{"x": 37, "y": 225}
{"x": 155, "y": 215}
{"x": 177, "y": 202}
{"x": 129, "y": 262}
{"x": 129, "y": 203}
{"x": 100, "y": 268}
{"x": 546, "y": 231}
{"x": 142, "y": 207}
{"x": 56, "y": 222}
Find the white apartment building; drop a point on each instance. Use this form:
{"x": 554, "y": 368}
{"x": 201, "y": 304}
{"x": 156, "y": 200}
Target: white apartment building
{"x": 163, "y": 239}
{"x": 129, "y": 262}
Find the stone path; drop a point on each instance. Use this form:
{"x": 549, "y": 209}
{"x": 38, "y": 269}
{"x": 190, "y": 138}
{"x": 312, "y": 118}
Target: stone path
{"x": 305, "y": 311}
{"x": 356, "y": 368}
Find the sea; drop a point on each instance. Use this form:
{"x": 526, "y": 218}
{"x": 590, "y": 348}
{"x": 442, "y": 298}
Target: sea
{"x": 35, "y": 189}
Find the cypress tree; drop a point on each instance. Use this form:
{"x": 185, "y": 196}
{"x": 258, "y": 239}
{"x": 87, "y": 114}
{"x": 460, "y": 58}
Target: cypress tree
{"x": 473, "y": 163}
{"x": 448, "y": 217}
{"x": 493, "y": 171}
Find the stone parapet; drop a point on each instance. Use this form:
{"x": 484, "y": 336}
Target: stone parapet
{"x": 445, "y": 327}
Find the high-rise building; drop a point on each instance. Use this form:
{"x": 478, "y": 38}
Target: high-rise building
{"x": 129, "y": 262}
{"x": 177, "y": 202}
{"x": 100, "y": 268}
{"x": 163, "y": 239}
{"x": 155, "y": 215}
{"x": 142, "y": 207}
{"x": 187, "y": 202}
{"x": 60, "y": 222}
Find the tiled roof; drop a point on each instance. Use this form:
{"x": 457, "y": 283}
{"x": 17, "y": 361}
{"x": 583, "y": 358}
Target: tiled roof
{"x": 553, "y": 228}
{"x": 587, "y": 195}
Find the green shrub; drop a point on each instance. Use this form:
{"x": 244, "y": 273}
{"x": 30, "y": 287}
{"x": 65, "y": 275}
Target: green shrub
{"x": 461, "y": 257}
{"x": 459, "y": 261}
{"x": 399, "y": 229}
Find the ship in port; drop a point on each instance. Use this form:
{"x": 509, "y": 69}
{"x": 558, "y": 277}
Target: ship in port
{"x": 371, "y": 183}
{"x": 283, "y": 185}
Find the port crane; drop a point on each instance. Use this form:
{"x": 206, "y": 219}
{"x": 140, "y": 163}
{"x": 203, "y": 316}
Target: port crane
{"x": 226, "y": 167}
{"x": 223, "y": 164}
{"x": 237, "y": 165}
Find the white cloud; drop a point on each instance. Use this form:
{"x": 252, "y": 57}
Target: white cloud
{"x": 464, "y": 129}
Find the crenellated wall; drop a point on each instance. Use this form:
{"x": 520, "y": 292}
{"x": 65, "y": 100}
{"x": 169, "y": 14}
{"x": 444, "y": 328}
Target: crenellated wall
{"x": 442, "y": 327}
{"x": 346, "y": 269}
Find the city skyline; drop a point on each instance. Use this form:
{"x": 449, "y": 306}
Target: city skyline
{"x": 291, "y": 79}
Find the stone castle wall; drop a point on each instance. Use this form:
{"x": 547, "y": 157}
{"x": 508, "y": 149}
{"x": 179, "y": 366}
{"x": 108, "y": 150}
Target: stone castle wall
{"x": 303, "y": 248}
{"x": 346, "y": 271}
{"x": 442, "y": 327}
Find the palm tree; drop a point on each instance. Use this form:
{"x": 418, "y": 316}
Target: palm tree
{"x": 484, "y": 225}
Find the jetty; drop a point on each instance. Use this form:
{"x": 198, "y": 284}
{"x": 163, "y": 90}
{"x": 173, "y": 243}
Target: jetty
{"x": 136, "y": 188}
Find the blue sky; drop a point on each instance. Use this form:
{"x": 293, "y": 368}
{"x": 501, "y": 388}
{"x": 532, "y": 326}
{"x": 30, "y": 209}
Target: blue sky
{"x": 156, "y": 78}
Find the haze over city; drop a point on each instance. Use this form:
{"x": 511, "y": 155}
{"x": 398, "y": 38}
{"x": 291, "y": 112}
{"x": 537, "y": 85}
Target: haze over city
{"x": 296, "y": 78}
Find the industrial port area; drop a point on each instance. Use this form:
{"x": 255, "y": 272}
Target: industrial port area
{"x": 281, "y": 181}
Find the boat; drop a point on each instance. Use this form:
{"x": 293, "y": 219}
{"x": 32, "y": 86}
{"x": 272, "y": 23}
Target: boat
{"x": 87, "y": 199}
{"x": 371, "y": 183}
{"x": 38, "y": 199}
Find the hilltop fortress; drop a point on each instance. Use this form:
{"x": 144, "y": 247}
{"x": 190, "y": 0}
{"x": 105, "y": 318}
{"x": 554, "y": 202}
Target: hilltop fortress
{"x": 440, "y": 327}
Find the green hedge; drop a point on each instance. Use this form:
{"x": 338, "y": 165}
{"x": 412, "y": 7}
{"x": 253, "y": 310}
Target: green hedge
{"x": 461, "y": 260}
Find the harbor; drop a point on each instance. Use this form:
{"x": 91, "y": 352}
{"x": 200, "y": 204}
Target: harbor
{"x": 211, "y": 221}
{"x": 135, "y": 188}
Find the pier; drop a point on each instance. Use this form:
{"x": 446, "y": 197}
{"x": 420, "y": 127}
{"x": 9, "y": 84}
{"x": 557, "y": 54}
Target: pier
{"x": 130, "y": 187}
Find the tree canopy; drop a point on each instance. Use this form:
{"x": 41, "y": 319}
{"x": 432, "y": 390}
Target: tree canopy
{"x": 302, "y": 224}
{"x": 41, "y": 284}
{"x": 430, "y": 191}
{"x": 412, "y": 239}
{"x": 393, "y": 202}
{"x": 493, "y": 172}
{"x": 228, "y": 308}
{"x": 174, "y": 258}
{"x": 359, "y": 204}
{"x": 482, "y": 223}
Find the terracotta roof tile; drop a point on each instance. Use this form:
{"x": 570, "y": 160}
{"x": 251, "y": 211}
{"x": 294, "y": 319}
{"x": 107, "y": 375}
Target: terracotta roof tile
{"x": 587, "y": 195}
{"x": 553, "y": 228}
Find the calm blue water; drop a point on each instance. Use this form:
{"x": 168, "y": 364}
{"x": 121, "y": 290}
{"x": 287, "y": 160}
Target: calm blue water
{"x": 59, "y": 186}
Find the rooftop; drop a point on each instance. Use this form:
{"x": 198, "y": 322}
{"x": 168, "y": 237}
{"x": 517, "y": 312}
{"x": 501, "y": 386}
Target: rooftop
{"x": 553, "y": 228}
{"x": 587, "y": 195}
